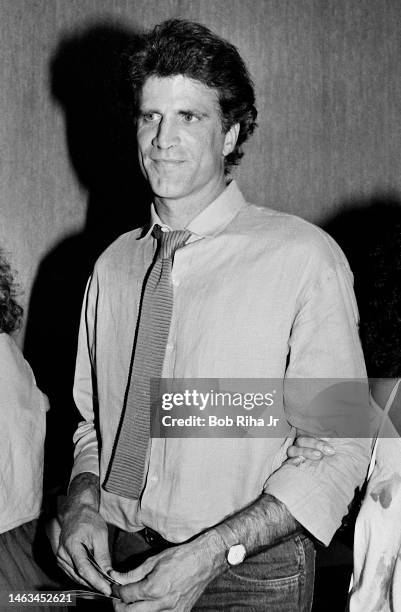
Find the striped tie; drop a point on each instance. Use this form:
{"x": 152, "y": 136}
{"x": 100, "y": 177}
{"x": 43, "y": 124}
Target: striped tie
{"x": 127, "y": 465}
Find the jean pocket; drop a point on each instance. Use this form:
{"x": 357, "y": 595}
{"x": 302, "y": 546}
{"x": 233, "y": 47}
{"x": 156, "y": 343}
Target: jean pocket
{"x": 278, "y": 566}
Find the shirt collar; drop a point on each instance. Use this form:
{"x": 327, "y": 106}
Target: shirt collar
{"x": 211, "y": 220}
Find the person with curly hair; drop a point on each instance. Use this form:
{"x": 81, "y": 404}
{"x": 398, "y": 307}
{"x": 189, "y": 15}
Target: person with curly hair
{"x": 22, "y": 432}
{"x": 10, "y": 311}
{"x": 212, "y": 286}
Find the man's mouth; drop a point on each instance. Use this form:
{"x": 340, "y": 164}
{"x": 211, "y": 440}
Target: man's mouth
{"x": 167, "y": 162}
{"x": 167, "y": 165}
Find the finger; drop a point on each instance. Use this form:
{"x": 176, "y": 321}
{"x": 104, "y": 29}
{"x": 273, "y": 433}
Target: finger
{"x": 307, "y": 442}
{"x": 148, "y": 606}
{"x": 128, "y": 577}
{"x": 134, "y": 592}
{"x": 135, "y": 575}
{"x": 297, "y": 460}
{"x": 101, "y": 552}
{"x": 318, "y": 444}
{"x": 53, "y": 530}
{"x": 143, "y": 606}
{"x": 85, "y": 570}
{"x": 294, "y": 451}
{"x": 304, "y": 453}
{"x": 120, "y": 606}
{"x": 70, "y": 573}
{"x": 327, "y": 449}
{"x": 65, "y": 561}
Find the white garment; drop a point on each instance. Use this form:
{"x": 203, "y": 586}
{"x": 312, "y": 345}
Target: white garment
{"x": 22, "y": 433}
{"x": 377, "y": 543}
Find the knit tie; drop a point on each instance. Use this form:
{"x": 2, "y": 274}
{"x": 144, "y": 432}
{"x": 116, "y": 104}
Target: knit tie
{"x": 127, "y": 465}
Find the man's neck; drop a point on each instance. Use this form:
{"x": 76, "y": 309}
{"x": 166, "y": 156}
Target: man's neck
{"x": 177, "y": 214}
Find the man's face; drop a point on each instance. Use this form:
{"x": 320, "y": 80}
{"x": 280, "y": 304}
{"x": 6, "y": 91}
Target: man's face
{"x": 181, "y": 143}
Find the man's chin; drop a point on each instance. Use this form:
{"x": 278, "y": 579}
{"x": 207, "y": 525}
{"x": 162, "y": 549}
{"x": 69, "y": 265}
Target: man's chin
{"x": 168, "y": 190}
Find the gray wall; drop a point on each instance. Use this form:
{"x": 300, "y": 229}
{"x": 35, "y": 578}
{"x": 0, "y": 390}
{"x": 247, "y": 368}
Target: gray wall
{"x": 328, "y": 87}
{"x": 329, "y": 95}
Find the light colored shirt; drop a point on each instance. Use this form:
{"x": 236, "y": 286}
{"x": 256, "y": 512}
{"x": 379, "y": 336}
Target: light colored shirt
{"x": 376, "y": 581}
{"x": 257, "y": 294}
{"x": 22, "y": 433}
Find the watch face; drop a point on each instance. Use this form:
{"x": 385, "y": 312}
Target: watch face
{"x": 236, "y": 554}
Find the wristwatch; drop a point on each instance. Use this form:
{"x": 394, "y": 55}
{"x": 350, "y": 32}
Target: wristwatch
{"x": 236, "y": 554}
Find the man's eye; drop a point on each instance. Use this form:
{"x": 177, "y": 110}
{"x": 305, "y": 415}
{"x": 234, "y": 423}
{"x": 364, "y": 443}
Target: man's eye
{"x": 189, "y": 117}
{"x": 150, "y": 117}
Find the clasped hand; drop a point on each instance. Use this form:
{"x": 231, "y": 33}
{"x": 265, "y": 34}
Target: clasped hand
{"x": 171, "y": 580}
{"x": 85, "y": 530}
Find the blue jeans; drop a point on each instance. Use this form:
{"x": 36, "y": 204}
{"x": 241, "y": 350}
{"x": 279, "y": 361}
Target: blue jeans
{"x": 279, "y": 579}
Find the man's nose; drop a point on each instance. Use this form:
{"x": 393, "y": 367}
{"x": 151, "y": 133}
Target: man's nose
{"x": 167, "y": 134}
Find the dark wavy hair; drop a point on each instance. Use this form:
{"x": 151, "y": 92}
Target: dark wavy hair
{"x": 381, "y": 312}
{"x": 184, "y": 47}
{"x": 10, "y": 311}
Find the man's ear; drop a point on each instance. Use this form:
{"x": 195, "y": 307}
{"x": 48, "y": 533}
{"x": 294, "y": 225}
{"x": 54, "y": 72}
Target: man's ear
{"x": 230, "y": 139}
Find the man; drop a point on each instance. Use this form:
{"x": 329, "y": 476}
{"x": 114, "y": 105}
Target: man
{"x": 256, "y": 294}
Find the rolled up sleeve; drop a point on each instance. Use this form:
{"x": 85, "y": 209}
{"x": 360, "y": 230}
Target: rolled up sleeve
{"x": 324, "y": 345}
{"x": 86, "y": 453}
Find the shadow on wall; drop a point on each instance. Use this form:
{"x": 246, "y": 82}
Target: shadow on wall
{"x": 87, "y": 81}
{"x": 359, "y": 227}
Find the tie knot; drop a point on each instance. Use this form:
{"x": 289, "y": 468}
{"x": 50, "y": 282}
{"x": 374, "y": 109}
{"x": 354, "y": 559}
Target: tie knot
{"x": 169, "y": 242}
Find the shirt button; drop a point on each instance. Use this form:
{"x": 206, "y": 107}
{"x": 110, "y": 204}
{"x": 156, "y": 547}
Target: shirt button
{"x": 153, "y": 478}
{"x": 170, "y": 346}
{"x": 176, "y": 283}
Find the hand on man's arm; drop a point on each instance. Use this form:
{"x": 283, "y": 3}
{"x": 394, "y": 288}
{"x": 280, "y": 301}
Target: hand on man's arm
{"x": 306, "y": 446}
{"x": 82, "y": 530}
{"x": 176, "y": 578}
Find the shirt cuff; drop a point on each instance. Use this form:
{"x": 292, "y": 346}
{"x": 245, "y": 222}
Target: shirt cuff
{"x": 86, "y": 456}
{"x": 306, "y": 500}
{"x": 88, "y": 463}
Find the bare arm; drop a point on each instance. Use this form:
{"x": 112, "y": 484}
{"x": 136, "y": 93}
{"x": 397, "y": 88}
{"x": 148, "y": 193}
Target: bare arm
{"x": 83, "y": 490}
{"x": 175, "y": 578}
{"x": 264, "y": 523}
{"x": 82, "y": 529}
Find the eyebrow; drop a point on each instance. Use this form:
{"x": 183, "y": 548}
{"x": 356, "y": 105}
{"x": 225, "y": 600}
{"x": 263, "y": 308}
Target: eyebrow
{"x": 143, "y": 111}
{"x": 193, "y": 111}
{"x": 181, "y": 111}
